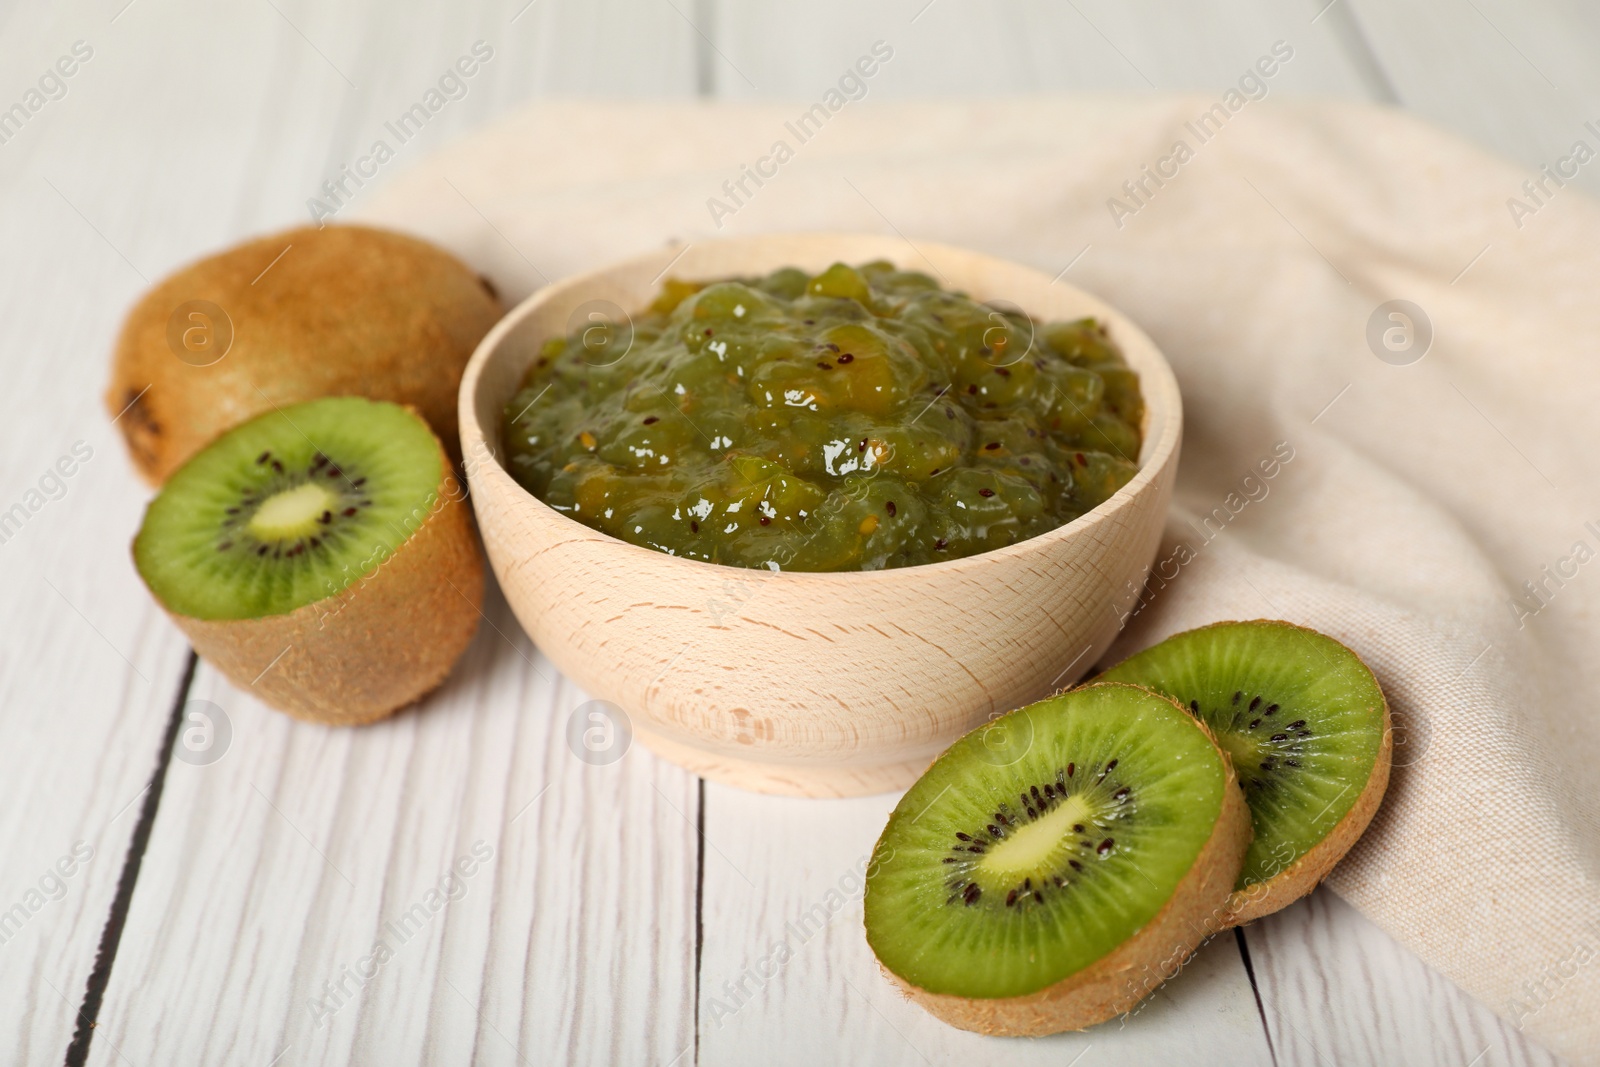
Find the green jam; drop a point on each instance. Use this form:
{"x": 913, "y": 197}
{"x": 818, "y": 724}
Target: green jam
{"x": 857, "y": 419}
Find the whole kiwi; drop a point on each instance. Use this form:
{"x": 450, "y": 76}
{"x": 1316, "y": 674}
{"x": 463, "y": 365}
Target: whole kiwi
{"x": 294, "y": 316}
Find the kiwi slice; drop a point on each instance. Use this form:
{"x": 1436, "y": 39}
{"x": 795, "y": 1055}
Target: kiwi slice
{"x": 1054, "y": 866}
{"x": 1307, "y": 728}
{"x": 321, "y": 555}
{"x": 294, "y": 316}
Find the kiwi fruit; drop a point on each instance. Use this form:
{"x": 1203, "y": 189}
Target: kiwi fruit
{"x": 321, "y": 556}
{"x": 308, "y": 313}
{"x": 1307, "y": 727}
{"x": 1054, "y": 866}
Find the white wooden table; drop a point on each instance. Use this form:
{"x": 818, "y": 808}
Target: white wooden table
{"x": 226, "y": 913}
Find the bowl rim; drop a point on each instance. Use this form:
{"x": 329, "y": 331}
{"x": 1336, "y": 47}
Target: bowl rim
{"x": 1160, "y": 442}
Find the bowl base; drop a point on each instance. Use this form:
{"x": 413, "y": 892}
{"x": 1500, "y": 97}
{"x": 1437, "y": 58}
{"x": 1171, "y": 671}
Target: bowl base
{"x": 788, "y": 779}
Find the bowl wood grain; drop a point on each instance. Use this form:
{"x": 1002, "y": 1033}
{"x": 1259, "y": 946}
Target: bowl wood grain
{"x": 799, "y": 683}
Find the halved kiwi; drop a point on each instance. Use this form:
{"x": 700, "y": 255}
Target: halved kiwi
{"x": 1054, "y": 866}
{"x": 320, "y": 555}
{"x": 1307, "y": 728}
{"x": 289, "y": 317}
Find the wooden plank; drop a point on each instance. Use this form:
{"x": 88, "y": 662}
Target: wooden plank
{"x": 186, "y": 130}
{"x": 989, "y": 47}
{"x": 89, "y": 669}
{"x": 1517, "y": 77}
{"x": 831, "y": 976}
{"x": 1175, "y": 54}
{"x": 1336, "y": 989}
{"x": 277, "y": 871}
{"x": 296, "y": 91}
{"x": 781, "y": 985}
{"x": 88, "y": 673}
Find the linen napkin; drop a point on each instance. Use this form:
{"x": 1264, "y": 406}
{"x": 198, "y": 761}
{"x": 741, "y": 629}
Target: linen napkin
{"x": 1393, "y": 318}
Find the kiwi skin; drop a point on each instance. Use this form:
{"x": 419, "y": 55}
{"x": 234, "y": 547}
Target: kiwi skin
{"x": 347, "y": 310}
{"x": 387, "y": 640}
{"x": 1115, "y": 983}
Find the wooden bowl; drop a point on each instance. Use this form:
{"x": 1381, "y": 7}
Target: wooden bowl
{"x": 812, "y": 684}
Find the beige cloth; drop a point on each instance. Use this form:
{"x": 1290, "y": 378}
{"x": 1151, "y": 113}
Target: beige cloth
{"x": 1418, "y": 500}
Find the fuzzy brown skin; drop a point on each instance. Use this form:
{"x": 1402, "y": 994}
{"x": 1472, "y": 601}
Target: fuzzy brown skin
{"x": 1133, "y": 970}
{"x": 1304, "y": 874}
{"x": 346, "y": 311}
{"x": 385, "y": 641}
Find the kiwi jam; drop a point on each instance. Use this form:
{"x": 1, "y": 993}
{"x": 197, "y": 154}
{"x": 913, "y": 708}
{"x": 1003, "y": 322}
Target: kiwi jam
{"x": 857, "y": 419}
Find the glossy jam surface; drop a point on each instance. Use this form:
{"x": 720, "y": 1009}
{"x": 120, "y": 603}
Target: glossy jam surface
{"x": 857, "y": 419}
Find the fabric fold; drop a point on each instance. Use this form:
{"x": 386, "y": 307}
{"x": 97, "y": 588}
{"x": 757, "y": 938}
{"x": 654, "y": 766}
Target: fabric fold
{"x": 1440, "y": 512}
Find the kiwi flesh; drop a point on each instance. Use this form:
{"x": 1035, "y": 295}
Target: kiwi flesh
{"x": 321, "y": 556}
{"x": 341, "y": 310}
{"x": 1307, "y": 728}
{"x": 1054, "y": 866}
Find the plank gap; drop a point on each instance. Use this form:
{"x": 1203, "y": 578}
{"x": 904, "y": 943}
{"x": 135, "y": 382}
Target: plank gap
{"x": 1347, "y": 31}
{"x": 705, "y": 77}
{"x": 699, "y": 902}
{"x": 1255, "y": 990}
{"x": 111, "y": 935}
